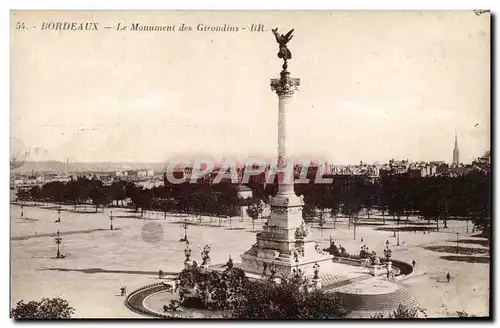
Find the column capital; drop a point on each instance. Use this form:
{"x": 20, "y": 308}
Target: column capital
{"x": 285, "y": 85}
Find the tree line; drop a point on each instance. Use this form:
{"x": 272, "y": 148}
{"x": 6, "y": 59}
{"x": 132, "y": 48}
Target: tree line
{"x": 199, "y": 199}
{"x": 432, "y": 198}
{"x": 436, "y": 198}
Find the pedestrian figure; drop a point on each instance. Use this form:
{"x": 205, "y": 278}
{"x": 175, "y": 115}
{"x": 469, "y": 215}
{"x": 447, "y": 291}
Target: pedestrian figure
{"x": 123, "y": 291}
{"x": 448, "y": 277}
{"x": 394, "y": 235}
{"x": 361, "y": 239}
{"x": 424, "y": 232}
{"x": 387, "y": 274}
{"x": 413, "y": 263}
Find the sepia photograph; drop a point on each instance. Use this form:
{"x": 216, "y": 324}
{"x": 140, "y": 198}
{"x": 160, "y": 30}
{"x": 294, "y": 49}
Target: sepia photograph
{"x": 305, "y": 164}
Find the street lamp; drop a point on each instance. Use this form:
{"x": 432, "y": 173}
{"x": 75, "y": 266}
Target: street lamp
{"x": 187, "y": 253}
{"x": 185, "y": 226}
{"x": 387, "y": 251}
{"x": 58, "y": 241}
{"x": 457, "y": 242}
{"x": 22, "y": 210}
{"x": 316, "y": 270}
{"x": 398, "y": 239}
{"x": 58, "y": 215}
{"x": 111, "y": 220}
{"x": 205, "y": 255}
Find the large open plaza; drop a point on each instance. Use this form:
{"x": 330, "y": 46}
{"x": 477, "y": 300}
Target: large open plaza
{"x": 100, "y": 261}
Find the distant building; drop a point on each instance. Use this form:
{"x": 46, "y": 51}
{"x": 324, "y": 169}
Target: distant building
{"x": 483, "y": 163}
{"x": 244, "y": 192}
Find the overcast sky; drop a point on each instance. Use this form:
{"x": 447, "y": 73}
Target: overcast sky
{"x": 374, "y": 86}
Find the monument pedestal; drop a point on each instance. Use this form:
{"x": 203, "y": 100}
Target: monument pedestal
{"x": 285, "y": 243}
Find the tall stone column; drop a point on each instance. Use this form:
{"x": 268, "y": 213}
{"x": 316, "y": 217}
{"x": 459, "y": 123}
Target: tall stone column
{"x": 285, "y": 86}
{"x": 285, "y": 241}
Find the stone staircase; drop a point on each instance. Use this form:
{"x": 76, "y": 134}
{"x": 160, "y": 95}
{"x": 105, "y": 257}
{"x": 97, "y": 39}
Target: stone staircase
{"x": 335, "y": 281}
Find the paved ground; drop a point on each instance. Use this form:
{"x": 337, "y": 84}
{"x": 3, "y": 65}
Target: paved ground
{"x": 100, "y": 261}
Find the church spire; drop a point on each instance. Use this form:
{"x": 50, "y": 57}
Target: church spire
{"x": 456, "y": 159}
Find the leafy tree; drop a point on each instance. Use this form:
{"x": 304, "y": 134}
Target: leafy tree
{"x": 254, "y": 211}
{"x": 352, "y": 206}
{"x": 118, "y": 191}
{"x": 73, "y": 192}
{"x": 55, "y": 308}
{"x": 214, "y": 290}
{"x": 35, "y": 193}
{"x": 402, "y": 312}
{"x": 53, "y": 191}
{"x": 23, "y": 194}
{"x": 98, "y": 194}
{"x": 309, "y": 212}
{"x": 288, "y": 299}
{"x": 334, "y": 212}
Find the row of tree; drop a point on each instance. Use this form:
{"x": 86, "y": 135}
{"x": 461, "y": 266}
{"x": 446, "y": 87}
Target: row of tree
{"x": 433, "y": 198}
{"x": 199, "y": 199}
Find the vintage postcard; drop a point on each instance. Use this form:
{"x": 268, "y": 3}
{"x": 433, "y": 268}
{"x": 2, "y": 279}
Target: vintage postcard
{"x": 250, "y": 164}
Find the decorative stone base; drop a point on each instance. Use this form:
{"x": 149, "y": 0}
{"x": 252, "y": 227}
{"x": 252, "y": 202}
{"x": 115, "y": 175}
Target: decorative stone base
{"x": 380, "y": 269}
{"x": 255, "y": 264}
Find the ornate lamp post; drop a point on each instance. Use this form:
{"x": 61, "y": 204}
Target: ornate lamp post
{"x": 111, "y": 221}
{"x": 316, "y": 271}
{"x": 316, "y": 279}
{"x": 457, "y": 242}
{"x": 205, "y": 255}
{"x": 388, "y": 254}
{"x": 185, "y": 226}
{"x": 364, "y": 252}
{"x": 373, "y": 257}
{"x": 387, "y": 251}
{"x": 187, "y": 253}
{"x": 58, "y": 242}
{"x": 230, "y": 263}
{"x": 58, "y": 214}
